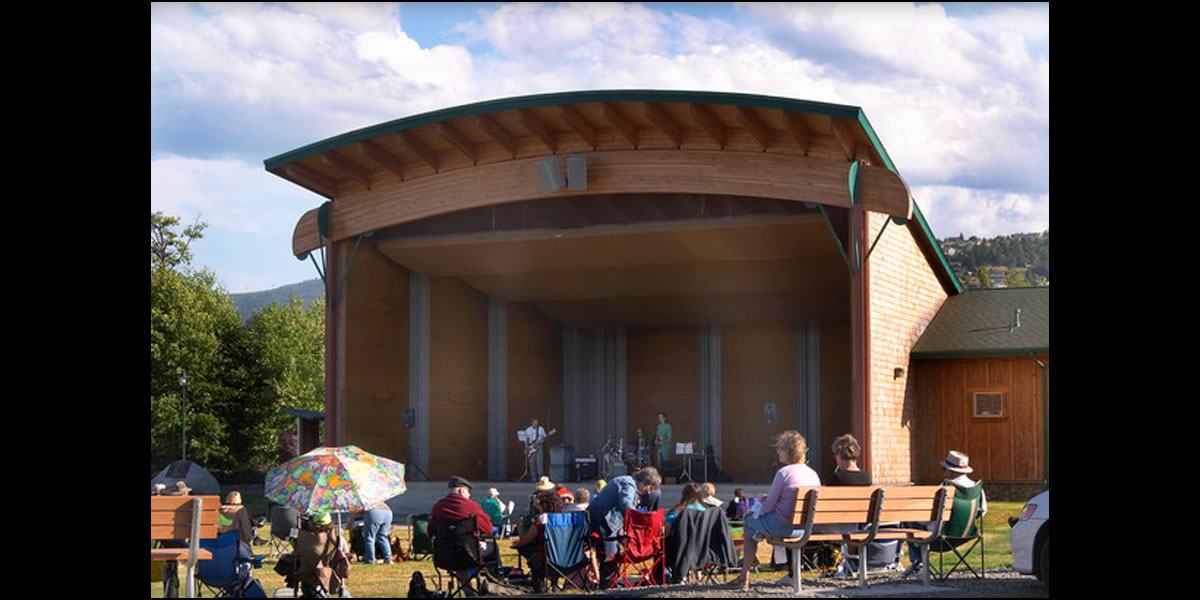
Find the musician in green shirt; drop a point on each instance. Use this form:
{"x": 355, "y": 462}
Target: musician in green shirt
{"x": 662, "y": 438}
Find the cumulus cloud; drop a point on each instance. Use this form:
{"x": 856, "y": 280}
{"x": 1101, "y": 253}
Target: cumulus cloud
{"x": 960, "y": 99}
{"x": 986, "y": 213}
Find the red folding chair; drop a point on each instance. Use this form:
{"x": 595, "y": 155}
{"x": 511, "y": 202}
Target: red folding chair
{"x": 643, "y": 550}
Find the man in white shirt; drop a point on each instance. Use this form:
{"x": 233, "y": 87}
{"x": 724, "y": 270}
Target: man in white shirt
{"x": 534, "y": 434}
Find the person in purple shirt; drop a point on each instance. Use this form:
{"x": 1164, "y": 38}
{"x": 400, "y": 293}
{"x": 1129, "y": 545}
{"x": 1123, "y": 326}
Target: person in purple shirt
{"x": 775, "y": 519}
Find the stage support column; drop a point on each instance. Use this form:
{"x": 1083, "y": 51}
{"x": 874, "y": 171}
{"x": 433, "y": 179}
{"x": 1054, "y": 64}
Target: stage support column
{"x": 860, "y": 335}
{"x": 418, "y": 370}
{"x": 497, "y": 464}
{"x": 808, "y": 388}
{"x": 333, "y": 339}
{"x": 709, "y": 386}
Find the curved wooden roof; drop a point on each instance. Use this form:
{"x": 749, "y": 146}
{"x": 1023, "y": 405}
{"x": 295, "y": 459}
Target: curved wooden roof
{"x": 634, "y": 142}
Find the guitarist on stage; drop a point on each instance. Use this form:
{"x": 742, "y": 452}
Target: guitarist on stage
{"x": 534, "y": 435}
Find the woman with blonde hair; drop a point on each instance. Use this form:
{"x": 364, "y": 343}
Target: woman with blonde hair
{"x": 234, "y": 517}
{"x": 775, "y": 519}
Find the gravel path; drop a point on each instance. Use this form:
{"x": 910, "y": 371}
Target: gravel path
{"x": 1004, "y": 583}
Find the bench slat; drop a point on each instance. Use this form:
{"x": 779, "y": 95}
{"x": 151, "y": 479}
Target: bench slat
{"x": 177, "y": 554}
{"x": 180, "y": 532}
{"x": 182, "y": 502}
{"x": 170, "y": 518}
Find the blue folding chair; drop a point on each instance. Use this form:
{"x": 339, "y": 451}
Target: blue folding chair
{"x": 229, "y": 573}
{"x": 566, "y": 537}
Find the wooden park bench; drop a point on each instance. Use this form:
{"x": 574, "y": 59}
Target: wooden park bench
{"x": 190, "y": 518}
{"x": 864, "y": 508}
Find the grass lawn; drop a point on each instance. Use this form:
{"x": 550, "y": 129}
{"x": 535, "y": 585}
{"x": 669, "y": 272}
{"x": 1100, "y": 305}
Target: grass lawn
{"x": 392, "y": 580}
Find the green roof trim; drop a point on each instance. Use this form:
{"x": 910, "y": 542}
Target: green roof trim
{"x": 982, "y": 323}
{"x": 539, "y": 100}
{"x": 947, "y": 270}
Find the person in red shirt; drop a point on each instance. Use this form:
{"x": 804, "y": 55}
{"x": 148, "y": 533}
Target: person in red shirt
{"x": 458, "y": 505}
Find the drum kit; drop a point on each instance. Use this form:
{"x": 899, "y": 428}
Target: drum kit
{"x": 618, "y": 459}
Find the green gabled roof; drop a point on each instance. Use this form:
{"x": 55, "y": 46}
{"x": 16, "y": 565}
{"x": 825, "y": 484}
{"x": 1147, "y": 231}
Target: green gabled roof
{"x": 980, "y": 323}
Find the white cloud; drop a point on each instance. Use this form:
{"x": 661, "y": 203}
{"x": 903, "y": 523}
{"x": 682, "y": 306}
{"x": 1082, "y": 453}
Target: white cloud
{"x": 961, "y": 103}
{"x": 952, "y": 210}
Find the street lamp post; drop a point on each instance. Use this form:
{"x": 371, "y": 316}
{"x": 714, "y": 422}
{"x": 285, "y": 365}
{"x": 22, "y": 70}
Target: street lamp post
{"x": 183, "y": 413}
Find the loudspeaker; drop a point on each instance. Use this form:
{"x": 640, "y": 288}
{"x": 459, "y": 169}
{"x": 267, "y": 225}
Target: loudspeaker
{"x": 585, "y": 470}
{"x": 410, "y": 418}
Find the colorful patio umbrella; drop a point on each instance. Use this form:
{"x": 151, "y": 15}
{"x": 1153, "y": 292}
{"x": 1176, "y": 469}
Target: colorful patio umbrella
{"x": 338, "y": 479}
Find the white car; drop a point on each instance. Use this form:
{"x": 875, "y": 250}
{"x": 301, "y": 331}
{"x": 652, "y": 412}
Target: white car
{"x": 1031, "y": 538}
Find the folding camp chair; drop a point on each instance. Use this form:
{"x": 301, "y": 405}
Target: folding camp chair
{"x": 285, "y": 523}
{"x": 964, "y": 529}
{"x": 420, "y": 544}
{"x": 643, "y": 542}
{"x": 456, "y": 551}
{"x": 565, "y": 539}
{"x": 229, "y": 573}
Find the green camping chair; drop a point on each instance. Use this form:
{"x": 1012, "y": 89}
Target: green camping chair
{"x": 962, "y": 533}
{"x": 420, "y": 543}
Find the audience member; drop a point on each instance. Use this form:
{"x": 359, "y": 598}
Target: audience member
{"x": 235, "y": 518}
{"x": 775, "y": 520}
{"x": 494, "y": 507}
{"x": 692, "y": 498}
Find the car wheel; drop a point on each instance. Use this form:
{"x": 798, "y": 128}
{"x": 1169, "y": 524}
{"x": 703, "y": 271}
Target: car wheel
{"x": 1044, "y": 562}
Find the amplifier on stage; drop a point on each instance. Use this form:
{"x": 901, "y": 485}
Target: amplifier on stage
{"x": 585, "y": 468}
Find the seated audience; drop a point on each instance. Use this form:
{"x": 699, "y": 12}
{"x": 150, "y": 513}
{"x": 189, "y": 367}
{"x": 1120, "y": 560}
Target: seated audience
{"x": 582, "y": 498}
{"x": 775, "y": 520}
{"x": 457, "y": 505}
{"x": 494, "y": 507}
{"x": 691, "y": 498}
{"x": 235, "y": 518}
{"x": 710, "y": 494}
{"x": 846, "y": 451}
{"x": 531, "y": 531}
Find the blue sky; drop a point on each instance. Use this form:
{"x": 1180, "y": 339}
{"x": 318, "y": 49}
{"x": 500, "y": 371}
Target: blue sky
{"x": 959, "y": 94}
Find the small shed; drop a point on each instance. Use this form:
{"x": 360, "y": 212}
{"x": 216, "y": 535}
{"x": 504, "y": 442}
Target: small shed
{"x": 982, "y": 369}
{"x": 308, "y": 428}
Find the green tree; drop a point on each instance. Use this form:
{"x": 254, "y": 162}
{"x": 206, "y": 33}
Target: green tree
{"x": 1015, "y": 279}
{"x": 192, "y": 323}
{"x": 984, "y": 276}
{"x": 284, "y": 348}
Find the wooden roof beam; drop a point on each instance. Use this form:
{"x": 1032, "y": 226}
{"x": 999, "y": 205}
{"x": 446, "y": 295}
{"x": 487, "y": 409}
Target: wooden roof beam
{"x": 707, "y": 120}
{"x": 413, "y": 144}
{"x": 370, "y": 151}
{"x": 539, "y": 129}
{"x": 620, "y": 123}
{"x": 799, "y": 131}
{"x": 309, "y": 178}
{"x": 347, "y": 167}
{"x": 460, "y": 141}
{"x": 845, "y": 138}
{"x": 581, "y": 125}
{"x": 658, "y": 115}
{"x": 498, "y": 134}
{"x": 750, "y": 119}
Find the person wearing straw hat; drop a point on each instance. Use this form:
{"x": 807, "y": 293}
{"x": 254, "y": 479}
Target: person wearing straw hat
{"x": 955, "y": 469}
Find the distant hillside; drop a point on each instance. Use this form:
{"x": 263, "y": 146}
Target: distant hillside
{"x": 252, "y": 302}
{"x": 1018, "y": 260}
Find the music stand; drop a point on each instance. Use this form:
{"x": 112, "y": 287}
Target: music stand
{"x": 410, "y": 423}
{"x": 685, "y": 449}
